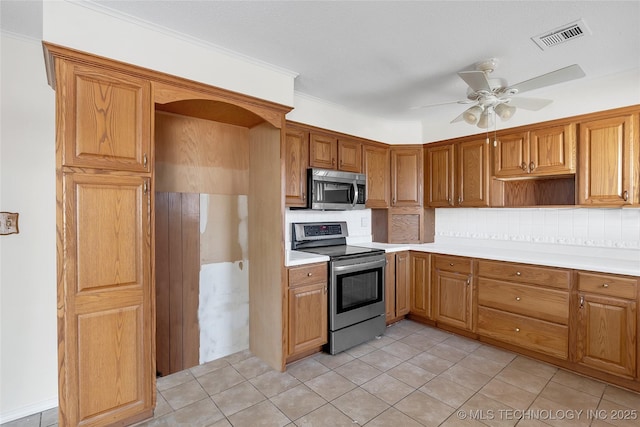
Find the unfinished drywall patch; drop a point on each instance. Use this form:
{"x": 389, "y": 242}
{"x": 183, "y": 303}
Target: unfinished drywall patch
{"x": 223, "y": 228}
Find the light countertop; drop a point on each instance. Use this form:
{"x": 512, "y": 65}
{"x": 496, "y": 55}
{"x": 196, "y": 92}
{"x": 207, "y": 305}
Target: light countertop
{"x": 604, "y": 260}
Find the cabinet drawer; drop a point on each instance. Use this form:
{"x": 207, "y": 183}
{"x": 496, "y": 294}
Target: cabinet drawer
{"x": 541, "y": 303}
{"x": 606, "y": 284}
{"x": 453, "y": 263}
{"x": 521, "y": 273}
{"x": 307, "y": 274}
{"x": 525, "y": 332}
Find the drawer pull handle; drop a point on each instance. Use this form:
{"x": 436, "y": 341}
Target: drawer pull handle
{"x": 581, "y": 301}
{"x": 517, "y": 329}
{"x": 517, "y": 298}
{"x": 518, "y": 273}
{"x": 605, "y": 285}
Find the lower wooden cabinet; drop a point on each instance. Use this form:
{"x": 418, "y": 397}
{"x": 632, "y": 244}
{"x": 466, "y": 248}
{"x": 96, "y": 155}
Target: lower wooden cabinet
{"x": 606, "y": 323}
{"x": 420, "y": 285}
{"x": 453, "y": 291}
{"x": 307, "y": 308}
{"x": 397, "y": 291}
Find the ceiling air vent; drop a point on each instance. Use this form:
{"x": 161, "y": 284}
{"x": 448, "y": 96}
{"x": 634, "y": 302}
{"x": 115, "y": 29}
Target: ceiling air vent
{"x": 563, "y": 34}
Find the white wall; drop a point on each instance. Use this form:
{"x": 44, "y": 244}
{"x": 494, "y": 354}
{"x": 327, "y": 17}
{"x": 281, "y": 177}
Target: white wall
{"x": 28, "y": 333}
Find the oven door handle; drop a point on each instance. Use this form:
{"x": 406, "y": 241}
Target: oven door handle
{"x": 358, "y": 267}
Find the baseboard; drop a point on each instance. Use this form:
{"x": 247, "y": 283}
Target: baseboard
{"x": 28, "y": 410}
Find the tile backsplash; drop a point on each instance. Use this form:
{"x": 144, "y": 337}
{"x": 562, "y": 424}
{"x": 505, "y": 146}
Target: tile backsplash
{"x": 607, "y": 228}
{"x": 358, "y": 222}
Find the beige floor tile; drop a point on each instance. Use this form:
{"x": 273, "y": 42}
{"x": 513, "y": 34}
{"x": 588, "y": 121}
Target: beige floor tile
{"x": 307, "y": 369}
{"x": 382, "y": 341}
{"x": 466, "y": 377}
{"x": 298, "y": 401}
{"x": 482, "y": 364}
{"x": 568, "y": 397}
{"x": 425, "y": 409}
{"x": 617, "y": 414}
{"x": 431, "y": 363}
{"x": 330, "y": 385}
{"x": 529, "y": 422}
{"x": 557, "y": 415}
{"x": 579, "y": 382}
{"x": 420, "y": 341}
{"x": 397, "y": 331}
{"x": 463, "y": 343}
{"x": 199, "y": 414}
{"x": 261, "y": 414}
{"x": 237, "y": 398}
{"x": 221, "y": 423}
{"x": 381, "y": 360}
{"x": 623, "y": 397}
{"x": 360, "y": 405}
{"x": 495, "y": 354}
{"x": 488, "y": 411}
{"x": 332, "y": 361}
{"x": 508, "y": 394}
{"x": 170, "y": 381}
{"x": 523, "y": 379}
{"x": 410, "y": 374}
{"x": 238, "y": 357}
{"x": 387, "y": 388}
{"x": 401, "y": 350}
{"x": 393, "y": 418}
{"x": 447, "y": 352}
{"x": 325, "y": 416}
{"x": 435, "y": 334}
{"x": 361, "y": 350}
{"x": 456, "y": 420}
{"x": 251, "y": 367}
{"x": 220, "y": 380}
{"x": 162, "y": 407}
{"x": 447, "y": 391}
{"x": 534, "y": 367}
{"x": 208, "y": 367}
{"x": 272, "y": 382}
{"x": 358, "y": 372}
{"x": 184, "y": 394}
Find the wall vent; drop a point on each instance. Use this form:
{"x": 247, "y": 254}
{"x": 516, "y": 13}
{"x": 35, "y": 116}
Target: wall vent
{"x": 561, "y": 35}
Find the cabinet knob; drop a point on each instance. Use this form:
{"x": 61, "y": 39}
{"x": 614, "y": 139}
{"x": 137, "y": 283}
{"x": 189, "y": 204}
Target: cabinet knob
{"x": 517, "y": 329}
{"x": 459, "y": 199}
{"x": 518, "y": 273}
{"x": 523, "y": 166}
{"x": 605, "y": 285}
{"x": 517, "y": 298}
{"x": 625, "y": 195}
{"x": 532, "y": 166}
{"x": 451, "y": 264}
{"x": 309, "y": 274}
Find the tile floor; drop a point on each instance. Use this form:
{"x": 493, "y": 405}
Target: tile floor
{"x": 413, "y": 375}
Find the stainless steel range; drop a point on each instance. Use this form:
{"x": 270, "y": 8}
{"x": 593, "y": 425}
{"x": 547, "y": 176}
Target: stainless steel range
{"x": 356, "y": 283}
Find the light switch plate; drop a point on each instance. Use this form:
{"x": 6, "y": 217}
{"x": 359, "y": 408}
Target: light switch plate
{"x": 8, "y": 223}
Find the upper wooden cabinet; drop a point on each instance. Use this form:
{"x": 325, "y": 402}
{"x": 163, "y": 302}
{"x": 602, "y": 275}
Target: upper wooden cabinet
{"x": 106, "y": 116}
{"x": 296, "y": 158}
{"x": 406, "y": 175}
{"x": 609, "y": 162}
{"x": 329, "y": 152}
{"x": 376, "y": 168}
{"x": 458, "y": 174}
{"x": 539, "y": 152}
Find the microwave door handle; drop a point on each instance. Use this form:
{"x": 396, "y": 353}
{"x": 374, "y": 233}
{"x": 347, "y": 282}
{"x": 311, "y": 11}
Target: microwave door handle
{"x": 355, "y": 194}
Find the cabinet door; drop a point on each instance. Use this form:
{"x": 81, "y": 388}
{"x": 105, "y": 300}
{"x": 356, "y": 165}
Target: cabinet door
{"x": 439, "y": 167}
{"x": 552, "y": 151}
{"x": 106, "y": 365}
{"x": 403, "y": 293}
{"x": 390, "y": 287}
{"x": 607, "y": 334}
{"x": 107, "y": 118}
{"x": 307, "y": 317}
{"x": 420, "y": 284}
{"x": 511, "y": 155}
{"x": 323, "y": 151}
{"x": 376, "y": 168}
{"x": 349, "y": 156}
{"x": 606, "y": 170}
{"x": 406, "y": 176}
{"x": 296, "y": 160}
{"x": 453, "y": 302}
{"x": 473, "y": 174}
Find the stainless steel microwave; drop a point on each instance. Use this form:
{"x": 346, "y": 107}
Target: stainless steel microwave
{"x": 335, "y": 190}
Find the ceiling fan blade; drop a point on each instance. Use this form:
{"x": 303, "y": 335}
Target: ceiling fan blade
{"x": 533, "y": 104}
{"x": 565, "y": 74}
{"x": 463, "y": 101}
{"x": 477, "y": 80}
{"x": 459, "y": 118}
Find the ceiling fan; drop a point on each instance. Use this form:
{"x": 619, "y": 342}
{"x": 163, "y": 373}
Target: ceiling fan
{"x": 493, "y": 97}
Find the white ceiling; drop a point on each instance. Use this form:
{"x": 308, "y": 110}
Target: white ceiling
{"x": 382, "y": 58}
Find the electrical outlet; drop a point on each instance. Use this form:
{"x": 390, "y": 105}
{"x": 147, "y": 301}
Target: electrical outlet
{"x": 8, "y": 223}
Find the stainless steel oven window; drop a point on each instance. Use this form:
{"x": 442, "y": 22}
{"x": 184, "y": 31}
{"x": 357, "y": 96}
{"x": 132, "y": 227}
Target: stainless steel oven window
{"x": 358, "y": 289}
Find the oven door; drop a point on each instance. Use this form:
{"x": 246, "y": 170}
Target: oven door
{"x": 356, "y": 290}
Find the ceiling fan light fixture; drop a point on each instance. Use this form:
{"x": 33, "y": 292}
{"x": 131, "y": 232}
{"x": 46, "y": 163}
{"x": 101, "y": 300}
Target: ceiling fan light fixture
{"x": 486, "y": 119}
{"x": 504, "y": 111}
{"x": 472, "y": 115}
